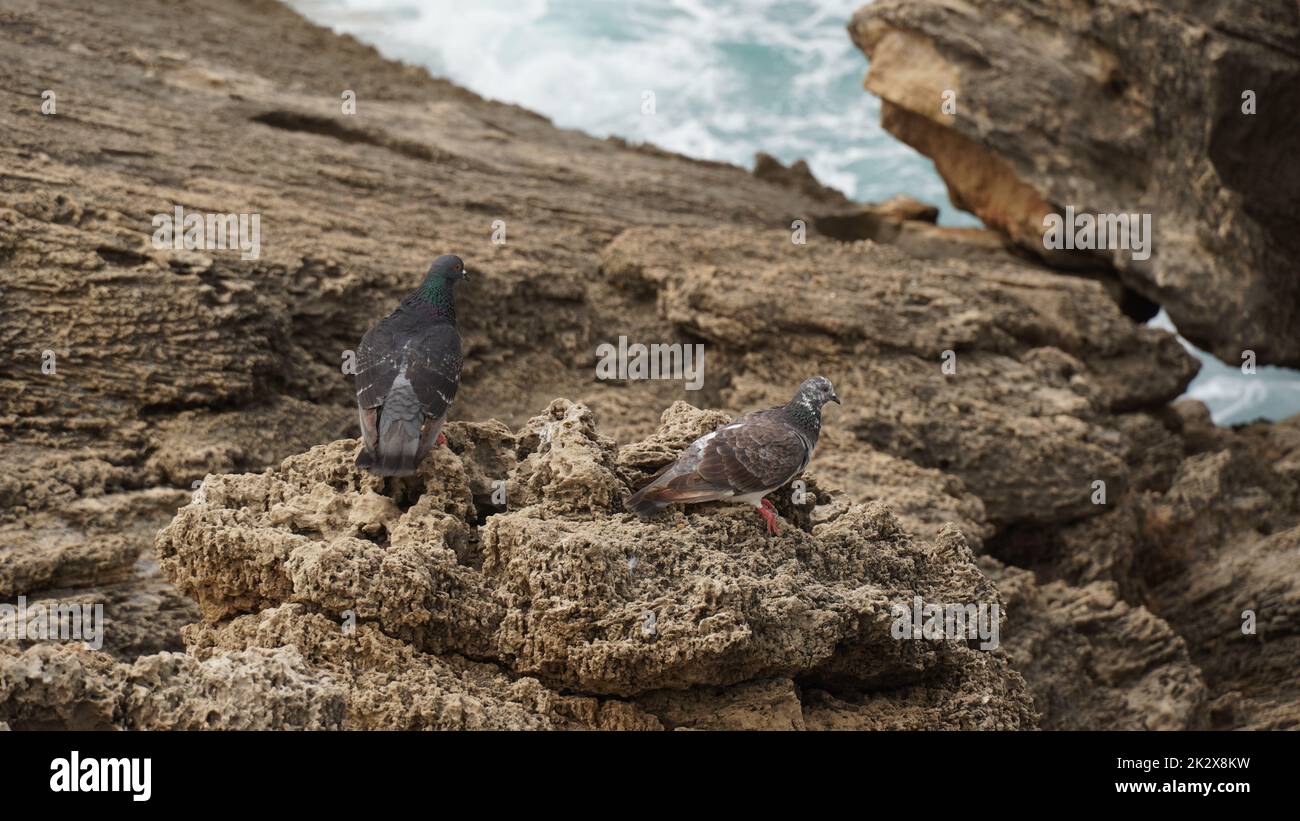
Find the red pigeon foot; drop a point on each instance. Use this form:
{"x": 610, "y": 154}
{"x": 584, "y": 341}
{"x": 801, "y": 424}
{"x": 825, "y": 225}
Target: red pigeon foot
{"x": 768, "y": 512}
{"x": 442, "y": 440}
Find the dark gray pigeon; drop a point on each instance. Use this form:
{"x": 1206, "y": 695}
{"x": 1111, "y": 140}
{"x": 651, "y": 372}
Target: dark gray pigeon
{"x": 745, "y": 460}
{"x": 408, "y": 369}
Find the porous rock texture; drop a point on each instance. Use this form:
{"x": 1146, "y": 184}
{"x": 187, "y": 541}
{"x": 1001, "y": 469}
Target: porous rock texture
{"x": 986, "y": 396}
{"x": 1180, "y": 109}
{"x": 58, "y": 687}
{"x": 393, "y": 587}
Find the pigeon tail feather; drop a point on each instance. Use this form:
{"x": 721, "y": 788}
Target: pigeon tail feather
{"x": 398, "y": 450}
{"x": 639, "y": 504}
{"x": 664, "y": 491}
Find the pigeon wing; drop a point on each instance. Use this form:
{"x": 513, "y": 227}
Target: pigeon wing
{"x": 433, "y": 365}
{"x": 432, "y": 357}
{"x": 756, "y": 453}
{"x": 378, "y": 361}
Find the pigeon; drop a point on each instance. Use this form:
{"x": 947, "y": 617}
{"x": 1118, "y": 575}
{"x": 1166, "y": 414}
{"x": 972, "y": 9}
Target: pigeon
{"x": 745, "y": 460}
{"x": 408, "y": 369}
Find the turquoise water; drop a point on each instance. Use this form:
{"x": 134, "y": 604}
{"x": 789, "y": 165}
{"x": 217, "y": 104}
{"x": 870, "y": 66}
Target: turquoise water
{"x": 729, "y": 78}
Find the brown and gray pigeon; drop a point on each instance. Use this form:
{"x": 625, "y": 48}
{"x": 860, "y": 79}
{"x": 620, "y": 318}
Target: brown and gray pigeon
{"x": 408, "y": 369}
{"x": 745, "y": 460}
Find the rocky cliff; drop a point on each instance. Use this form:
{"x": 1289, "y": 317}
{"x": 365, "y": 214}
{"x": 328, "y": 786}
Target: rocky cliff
{"x": 188, "y": 461}
{"x": 1181, "y": 110}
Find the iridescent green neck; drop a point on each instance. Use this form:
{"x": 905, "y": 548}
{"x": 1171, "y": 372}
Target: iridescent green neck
{"x": 437, "y": 291}
{"x": 805, "y": 413}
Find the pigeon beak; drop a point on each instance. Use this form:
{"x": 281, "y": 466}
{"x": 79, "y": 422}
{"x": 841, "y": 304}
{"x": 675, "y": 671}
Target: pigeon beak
{"x": 835, "y": 398}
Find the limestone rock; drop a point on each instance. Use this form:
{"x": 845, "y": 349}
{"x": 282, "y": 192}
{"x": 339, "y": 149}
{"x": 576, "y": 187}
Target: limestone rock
{"x": 49, "y": 687}
{"x": 648, "y": 617}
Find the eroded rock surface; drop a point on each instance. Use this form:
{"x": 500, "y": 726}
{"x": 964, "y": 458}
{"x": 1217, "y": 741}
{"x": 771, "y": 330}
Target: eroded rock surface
{"x": 1092, "y": 660}
{"x": 49, "y": 687}
{"x": 1205, "y": 541}
{"x": 657, "y": 622}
